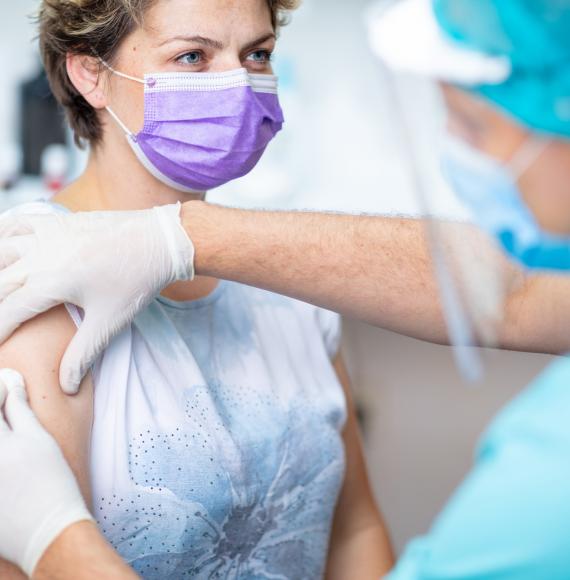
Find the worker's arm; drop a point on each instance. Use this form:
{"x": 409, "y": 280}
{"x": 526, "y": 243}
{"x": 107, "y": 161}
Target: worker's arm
{"x": 310, "y": 256}
{"x": 112, "y": 264}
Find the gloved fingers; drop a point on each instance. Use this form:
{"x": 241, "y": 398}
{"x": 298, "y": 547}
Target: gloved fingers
{"x": 14, "y": 225}
{"x": 17, "y": 409}
{"x": 12, "y": 249}
{"x": 3, "y": 394}
{"x": 11, "y": 278}
{"x": 23, "y": 225}
{"x": 19, "y": 307}
{"x": 89, "y": 341}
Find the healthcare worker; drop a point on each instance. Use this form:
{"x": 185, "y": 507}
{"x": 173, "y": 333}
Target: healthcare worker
{"x": 505, "y": 69}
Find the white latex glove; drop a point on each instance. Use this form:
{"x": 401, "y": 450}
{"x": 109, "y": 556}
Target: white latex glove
{"x": 109, "y": 264}
{"x": 39, "y": 496}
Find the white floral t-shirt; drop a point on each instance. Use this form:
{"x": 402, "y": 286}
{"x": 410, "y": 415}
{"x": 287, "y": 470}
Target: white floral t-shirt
{"x": 217, "y": 445}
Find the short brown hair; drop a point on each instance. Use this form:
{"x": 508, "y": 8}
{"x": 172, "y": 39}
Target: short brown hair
{"x": 96, "y": 27}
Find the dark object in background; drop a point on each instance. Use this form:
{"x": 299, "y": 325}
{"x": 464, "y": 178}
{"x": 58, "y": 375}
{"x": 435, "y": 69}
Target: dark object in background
{"x": 41, "y": 123}
{"x": 362, "y": 417}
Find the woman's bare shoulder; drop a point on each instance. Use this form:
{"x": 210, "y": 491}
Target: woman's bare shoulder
{"x": 36, "y": 350}
{"x": 40, "y": 341}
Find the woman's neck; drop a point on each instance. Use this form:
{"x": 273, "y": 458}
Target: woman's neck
{"x": 116, "y": 180}
{"x": 109, "y": 185}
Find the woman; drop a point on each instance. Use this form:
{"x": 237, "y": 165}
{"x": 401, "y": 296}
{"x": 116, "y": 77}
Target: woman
{"x": 224, "y": 439}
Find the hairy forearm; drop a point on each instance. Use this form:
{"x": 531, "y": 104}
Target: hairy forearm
{"x": 81, "y": 553}
{"x": 376, "y": 269}
{"x": 537, "y": 316}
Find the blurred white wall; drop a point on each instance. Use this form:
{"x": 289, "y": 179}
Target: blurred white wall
{"x": 18, "y": 61}
{"x": 342, "y": 151}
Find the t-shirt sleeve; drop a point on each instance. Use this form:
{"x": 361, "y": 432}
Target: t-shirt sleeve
{"x": 34, "y": 208}
{"x": 45, "y": 208}
{"x": 330, "y": 326}
{"x": 511, "y": 516}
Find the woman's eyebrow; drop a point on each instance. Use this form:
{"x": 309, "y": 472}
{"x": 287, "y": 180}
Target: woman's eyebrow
{"x": 196, "y": 39}
{"x": 216, "y": 44}
{"x": 260, "y": 40}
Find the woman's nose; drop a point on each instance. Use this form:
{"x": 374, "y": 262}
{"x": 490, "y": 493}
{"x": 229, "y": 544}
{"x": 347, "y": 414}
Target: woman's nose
{"x": 225, "y": 62}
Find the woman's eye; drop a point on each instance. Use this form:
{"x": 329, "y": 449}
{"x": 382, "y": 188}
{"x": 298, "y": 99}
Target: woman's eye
{"x": 260, "y": 57}
{"x": 191, "y": 58}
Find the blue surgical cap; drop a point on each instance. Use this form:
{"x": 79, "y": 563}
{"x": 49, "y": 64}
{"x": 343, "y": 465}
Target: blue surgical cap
{"x": 535, "y": 36}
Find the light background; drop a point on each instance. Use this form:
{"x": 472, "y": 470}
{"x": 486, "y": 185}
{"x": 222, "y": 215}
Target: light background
{"x": 342, "y": 151}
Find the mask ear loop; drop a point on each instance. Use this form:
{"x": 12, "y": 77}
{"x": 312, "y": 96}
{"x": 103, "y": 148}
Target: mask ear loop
{"x": 126, "y": 130}
{"x": 120, "y": 74}
{"x": 528, "y": 153}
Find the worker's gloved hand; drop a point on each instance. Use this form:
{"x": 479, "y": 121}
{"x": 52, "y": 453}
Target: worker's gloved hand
{"x": 109, "y": 264}
{"x": 39, "y": 496}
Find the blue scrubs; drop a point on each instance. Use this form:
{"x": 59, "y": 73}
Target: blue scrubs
{"x": 511, "y": 516}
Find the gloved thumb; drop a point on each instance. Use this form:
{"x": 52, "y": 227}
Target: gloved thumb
{"x": 89, "y": 341}
{"x": 3, "y": 394}
{"x": 17, "y": 410}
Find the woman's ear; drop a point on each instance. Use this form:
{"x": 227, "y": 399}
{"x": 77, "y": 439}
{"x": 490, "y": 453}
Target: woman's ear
{"x": 85, "y": 75}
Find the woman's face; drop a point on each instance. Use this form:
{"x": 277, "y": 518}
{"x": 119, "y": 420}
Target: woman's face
{"x": 189, "y": 36}
{"x": 545, "y": 186}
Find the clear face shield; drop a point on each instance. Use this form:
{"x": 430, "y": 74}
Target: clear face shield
{"x": 451, "y": 182}
{"x": 483, "y": 237}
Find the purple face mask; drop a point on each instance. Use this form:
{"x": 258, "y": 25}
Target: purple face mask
{"x": 202, "y": 130}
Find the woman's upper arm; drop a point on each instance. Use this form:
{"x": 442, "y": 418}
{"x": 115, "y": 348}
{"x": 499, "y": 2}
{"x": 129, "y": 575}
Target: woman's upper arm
{"x": 35, "y": 351}
{"x": 360, "y": 543}
{"x": 356, "y": 498}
